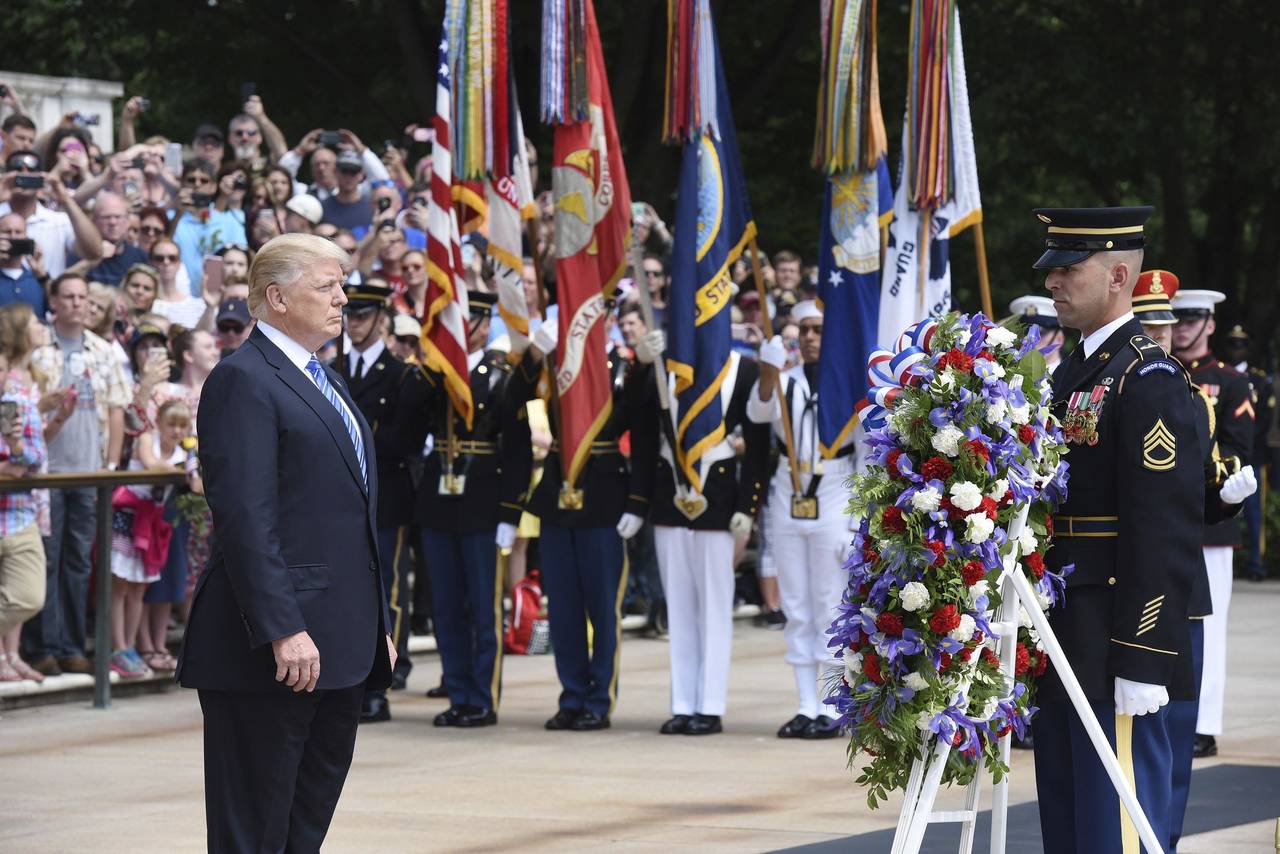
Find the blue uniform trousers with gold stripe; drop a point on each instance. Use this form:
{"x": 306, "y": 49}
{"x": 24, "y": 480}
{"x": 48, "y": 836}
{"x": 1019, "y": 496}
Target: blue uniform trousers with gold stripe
{"x": 584, "y": 575}
{"x": 1079, "y": 809}
{"x": 466, "y": 601}
{"x": 1182, "y": 739}
{"x": 393, "y": 549}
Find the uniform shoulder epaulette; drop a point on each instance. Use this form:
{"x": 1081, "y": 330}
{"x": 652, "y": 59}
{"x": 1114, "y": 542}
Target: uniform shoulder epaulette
{"x": 1147, "y": 348}
{"x": 1151, "y": 359}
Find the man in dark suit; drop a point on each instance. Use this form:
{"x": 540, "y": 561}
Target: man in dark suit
{"x": 293, "y": 584}
{"x": 1130, "y": 526}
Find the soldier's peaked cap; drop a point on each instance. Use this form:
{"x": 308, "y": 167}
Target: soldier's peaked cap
{"x": 1074, "y": 234}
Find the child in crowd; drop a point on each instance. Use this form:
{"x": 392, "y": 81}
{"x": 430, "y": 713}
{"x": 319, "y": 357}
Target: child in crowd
{"x": 140, "y": 538}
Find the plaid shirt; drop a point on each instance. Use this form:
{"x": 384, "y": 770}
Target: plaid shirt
{"x": 18, "y": 509}
{"x": 111, "y": 387}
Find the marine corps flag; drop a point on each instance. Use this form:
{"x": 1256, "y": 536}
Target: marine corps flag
{"x": 713, "y": 225}
{"x": 592, "y": 220}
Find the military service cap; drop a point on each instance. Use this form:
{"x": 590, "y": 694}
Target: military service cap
{"x": 1238, "y": 333}
{"x": 1077, "y": 233}
{"x": 1152, "y": 297}
{"x": 481, "y": 303}
{"x": 366, "y": 296}
{"x": 1036, "y": 311}
{"x": 1193, "y": 304}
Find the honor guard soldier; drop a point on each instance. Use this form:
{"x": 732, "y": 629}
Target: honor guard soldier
{"x": 694, "y": 533}
{"x": 1226, "y": 484}
{"x": 373, "y": 378}
{"x": 1232, "y": 398}
{"x": 468, "y": 504}
{"x": 808, "y": 529}
{"x": 1236, "y": 354}
{"x": 1038, "y": 311}
{"x": 1129, "y": 526}
{"x": 583, "y": 525}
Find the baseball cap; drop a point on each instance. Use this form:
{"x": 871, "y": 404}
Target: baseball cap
{"x": 349, "y": 161}
{"x": 306, "y": 206}
{"x": 209, "y": 129}
{"x": 234, "y": 309}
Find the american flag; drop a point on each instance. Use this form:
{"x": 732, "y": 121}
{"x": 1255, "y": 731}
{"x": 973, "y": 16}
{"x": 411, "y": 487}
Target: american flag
{"x": 444, "y": 324}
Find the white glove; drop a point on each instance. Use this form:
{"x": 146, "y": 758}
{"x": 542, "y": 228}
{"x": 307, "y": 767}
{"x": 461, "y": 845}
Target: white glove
{"x": 774, "y": 352}
{"x": 1239, "y": 486}
{"x": 1139, "y": 698}
{"x": 740, "y": 526}
{"x": 545, "y": 336}
{"x": 650, "y": 346}
{"x": 506, "y": 536}
{"x": 629, "y": 525}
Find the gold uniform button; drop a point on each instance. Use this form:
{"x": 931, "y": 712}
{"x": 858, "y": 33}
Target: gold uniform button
{"x": 1111, "y": 581}
{"x": 482, "y": 370}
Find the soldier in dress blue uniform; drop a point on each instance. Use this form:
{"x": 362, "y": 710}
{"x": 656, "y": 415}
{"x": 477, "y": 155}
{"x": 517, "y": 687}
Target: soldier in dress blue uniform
{"x": 468, "y": 504}
{"x": 1129, "y": 526}
{"x": 584, "y": 566}
{"x": 1226, "y": 483}
{"x": 1232, "y": 398}
{"x": 1236, "y": 353}
{"x": 373, "y": 378}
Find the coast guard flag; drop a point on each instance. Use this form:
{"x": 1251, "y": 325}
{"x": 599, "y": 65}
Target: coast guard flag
{"x": 901, "y": 301}
{"x": 713, "y": 224}
{"x": 854, "y": 207}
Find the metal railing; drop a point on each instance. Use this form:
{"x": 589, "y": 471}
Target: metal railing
{"x": 105, "y": 482}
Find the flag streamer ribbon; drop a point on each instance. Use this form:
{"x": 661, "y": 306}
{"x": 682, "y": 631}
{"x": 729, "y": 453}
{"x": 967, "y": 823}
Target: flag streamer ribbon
{"x": 850, "y": 132}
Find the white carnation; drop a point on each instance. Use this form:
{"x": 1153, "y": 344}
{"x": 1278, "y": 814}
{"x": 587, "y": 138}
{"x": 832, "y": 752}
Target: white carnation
{"x": 945, "y": 381}
{"x": 947, "y": 440}
{"x": 1024, "y": 617}
{"x": 1020, "y": 414}
{"x": 980, "y": 528}
{"x": 992, "y": 706}
{"x": 852, "y": 666}
{"x": 964, "y": 631}
{"x": 977, "y": 591}
{"x": 927, "y": 499}
{"x": 997, "y": 412}
{"x": 924, "y": 720}
{"x": 914, "y": 596}
{"x": 1001, "y": 337}
{"x": 998, "y": 489}
{"x": 962, "y": 338}
{"x": 1027, "y": 541}
{"x": 966, "y": 495}
{"x": 915, "y": 681}
{"x": 1043, "y": 600}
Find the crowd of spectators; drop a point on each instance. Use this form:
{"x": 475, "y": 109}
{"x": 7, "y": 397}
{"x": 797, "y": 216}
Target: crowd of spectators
{"x": 123, "y": 280}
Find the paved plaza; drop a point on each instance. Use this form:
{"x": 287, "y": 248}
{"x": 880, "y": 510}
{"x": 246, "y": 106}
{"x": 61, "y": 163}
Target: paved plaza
{"x": 129, "y": 779}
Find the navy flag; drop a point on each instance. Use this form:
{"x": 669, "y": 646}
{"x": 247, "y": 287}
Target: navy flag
{"x": 713, "y": 224}
{"x": 855, "y": 207}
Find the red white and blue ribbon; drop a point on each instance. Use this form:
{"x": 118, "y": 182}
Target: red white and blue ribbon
{"x": 888, "y": 371}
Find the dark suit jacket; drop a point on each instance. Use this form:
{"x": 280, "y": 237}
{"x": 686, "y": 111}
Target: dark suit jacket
{"x": 294, "y": 543}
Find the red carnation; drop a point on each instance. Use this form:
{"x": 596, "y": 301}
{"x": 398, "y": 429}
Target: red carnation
{"x": 973, "y": 572}
{"x": 1026, "y": 434}
{"x": 978, "y": 449}
{"x": 944, "y": 619}
{"x": 1035, "y": 563}
{"x": 936, "y": 468}
{"x": 1048, "y": 525}
{"x": 958, "y": 738}
{"x": 944, "y": 662}
{"x": 891, "y": 463}
{"x": 1042, "y": 662}
{"x": 892, "y": 520}
{"x": 985, "y": 354}
{"x": 938, "y": 549}
{"x": 957, "y": 359}
{"x": 992, "y": 660}
{"x": 977, "y": 638}
{"x": 1022, "y": 661}
{"x": 871, "y": 667}
{"x": 890, "y": 624}
{"x": 989, "y": 507}
{"x": 965, "y": 654}
{"x": 1007, "y": 498}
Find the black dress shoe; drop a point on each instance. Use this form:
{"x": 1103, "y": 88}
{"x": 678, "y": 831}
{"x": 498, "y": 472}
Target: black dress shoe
{"x": 449, "y": 717}
{"x": 588, "y": 721}
{"x": 704, "y": 725}
{"x": 563, "y": 720}
{"x": 1206, "y": 746}
{"x": 375, "y": 708}
{"x": 795, "y": 727}
{"x": 400, "y": 673}
{"x": 438, "y": 693}
{"x": 823, "y": 726}
{"x": 678, "y": 725}
{"x": 474, "y": 716}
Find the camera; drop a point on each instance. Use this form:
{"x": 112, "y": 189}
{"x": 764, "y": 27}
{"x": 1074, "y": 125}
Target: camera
{"x": 240, "y": 184}
{"x": 83, "y": 121}
{"x": 139, "y": 162}
{"x": 384, "y": 204}
{"x": 144, "y": 104}
{"x": 4, "y": 91}
{"x": 21, "y": 246}
{"x": 26, "y": 181}
{"x": 330, "y": 138}
{"x": 247, "y": 91}
{"x": 201, "y": 200}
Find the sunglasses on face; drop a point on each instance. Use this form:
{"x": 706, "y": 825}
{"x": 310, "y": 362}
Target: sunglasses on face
{"x": 230, "y": 328}
{"x": 151, "y": 229}
{"x": 165, "y": 259}
{"x": 197, "y": 180}
{"x": 245, "y": 132}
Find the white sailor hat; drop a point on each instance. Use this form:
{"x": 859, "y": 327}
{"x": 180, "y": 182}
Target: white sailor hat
{"x": 1196, "y": 303}
{"x": 1036, "y": 310}
{"x": 804, "y": 310}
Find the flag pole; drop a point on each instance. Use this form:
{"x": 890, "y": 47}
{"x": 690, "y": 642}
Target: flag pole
{"x": 531, "y": 229}
{"x": 646, "y": 311}
{"x": 922, "y": 266}
{"x": 984, "y": 283}
{"x": 792, "y": 463}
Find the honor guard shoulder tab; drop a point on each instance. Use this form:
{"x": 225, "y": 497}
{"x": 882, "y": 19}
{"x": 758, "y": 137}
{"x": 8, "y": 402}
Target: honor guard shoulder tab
{"x": 1151, "y": 359}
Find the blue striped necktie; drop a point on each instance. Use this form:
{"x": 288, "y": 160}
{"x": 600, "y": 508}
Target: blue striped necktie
{"x": 331, "y": 394}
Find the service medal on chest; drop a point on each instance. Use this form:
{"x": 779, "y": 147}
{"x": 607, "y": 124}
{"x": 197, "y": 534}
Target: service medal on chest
{"x": 1080, "y": 426}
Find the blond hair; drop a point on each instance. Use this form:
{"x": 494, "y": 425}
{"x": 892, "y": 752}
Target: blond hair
{"x": 282, "y": 260}
{"x": 174, "y": 411}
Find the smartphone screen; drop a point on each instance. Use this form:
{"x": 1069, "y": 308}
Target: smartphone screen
{"x": 213, "y": 272}
{"x": 173, "y": 157}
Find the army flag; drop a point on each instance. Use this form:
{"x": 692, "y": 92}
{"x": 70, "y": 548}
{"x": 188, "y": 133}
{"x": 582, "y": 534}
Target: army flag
{"x": 713, "y": 225}
{"x": 592, "y": 219}
{"x": 937, "y": 195}
{"x": 445, "y": 312}
{"x": 510, "y": 203}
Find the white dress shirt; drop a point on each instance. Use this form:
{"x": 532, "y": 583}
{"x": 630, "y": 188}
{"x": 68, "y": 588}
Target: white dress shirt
{"x": 1094, "y": 341}
{"x": 366, "y": 357}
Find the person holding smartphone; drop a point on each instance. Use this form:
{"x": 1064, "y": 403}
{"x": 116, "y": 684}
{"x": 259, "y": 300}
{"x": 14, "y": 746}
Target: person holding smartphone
{"x": 22, "y": 275}
{"x": 57, "y": 232}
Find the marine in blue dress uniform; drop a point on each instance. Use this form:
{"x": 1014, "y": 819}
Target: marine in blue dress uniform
{"x": 584, "y": 567}
{"x": 1130, "y": 527}
{"x": 469, "y": 501}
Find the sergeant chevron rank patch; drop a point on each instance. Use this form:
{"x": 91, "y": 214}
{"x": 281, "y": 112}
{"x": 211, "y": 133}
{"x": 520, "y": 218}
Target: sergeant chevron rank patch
{"x": 1159, "y": 448}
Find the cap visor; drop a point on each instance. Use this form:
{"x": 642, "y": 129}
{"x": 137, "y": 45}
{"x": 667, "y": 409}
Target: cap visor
{"x": 1060, "y": 258}
{"x": 1158, "y": 316}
